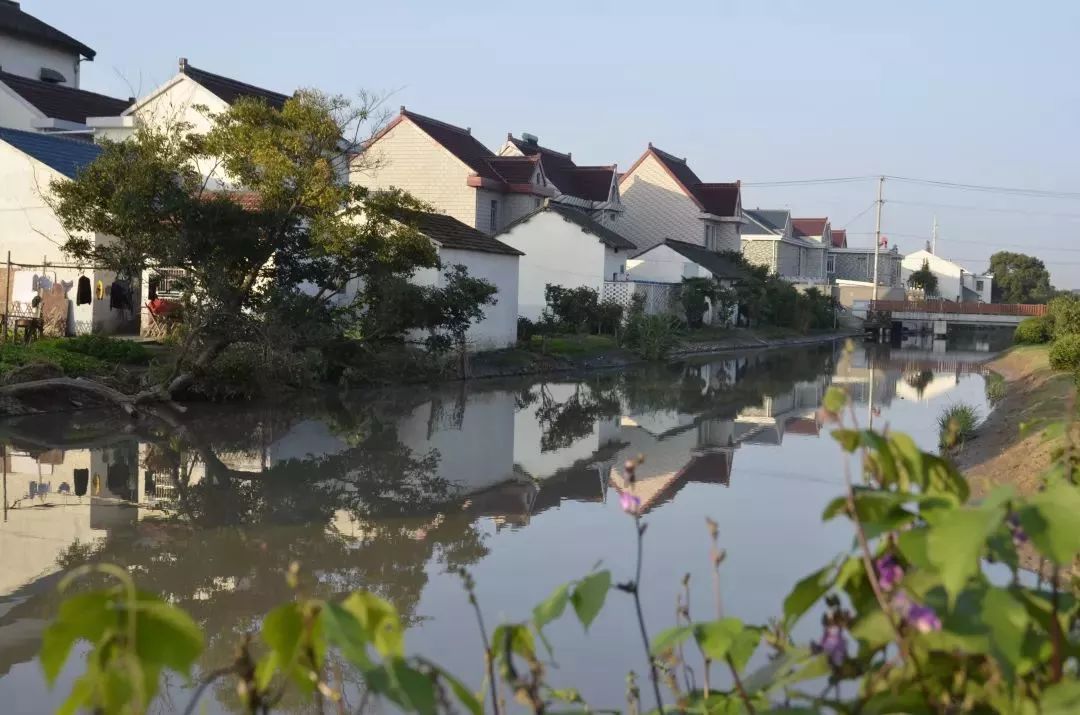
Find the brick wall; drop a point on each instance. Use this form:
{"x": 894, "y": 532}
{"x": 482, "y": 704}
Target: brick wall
{"x": 787, "y": 263}
{"x": 860, "y": 267}
{"x": 655, "y": 208}
{"x": 411, "y": 160}
{"x": 760, "y": 253}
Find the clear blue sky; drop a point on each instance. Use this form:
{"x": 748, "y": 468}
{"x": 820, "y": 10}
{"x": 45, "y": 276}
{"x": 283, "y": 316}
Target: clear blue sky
{"x": 980, "y": 92}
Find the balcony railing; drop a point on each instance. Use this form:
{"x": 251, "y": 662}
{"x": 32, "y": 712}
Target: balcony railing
{"x": 955, "y": 308}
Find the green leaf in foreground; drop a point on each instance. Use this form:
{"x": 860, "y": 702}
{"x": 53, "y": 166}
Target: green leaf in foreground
{"x": 589, "y": 595}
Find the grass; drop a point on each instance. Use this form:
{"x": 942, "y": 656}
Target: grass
{"x": 574, "y": 345}
{"x": 957, "y": 424}
{"x": 82, "y": 356}
{"x": 995, "y": 388}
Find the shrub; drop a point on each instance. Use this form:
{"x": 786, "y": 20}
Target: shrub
{"x": 574, "y": 308}
{"x": 1033, "y": 331}
{"x": 956, "y": 424}
{"x": 73, "y": 364}
{"x": 526, "y": 329}
{"x": 1063, "y": 316}
{"x": 656, "y": 335}
{"x": 1065, "y": 352}
{"x": 995, "y": 388}
{"x": 608, "y": 317}
{"x": 250, "y": 370}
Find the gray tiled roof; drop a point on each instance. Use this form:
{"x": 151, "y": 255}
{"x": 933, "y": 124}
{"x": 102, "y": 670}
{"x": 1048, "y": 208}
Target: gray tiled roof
{"x": 605, "y": 235}
{"x": 448, "y": 232}
{"x": 64, "y": 154}
{"x": 15, "y": 22}
{"x": 771, "y": 220}
{"x": 718, "y": 264}
{"x": 59, "y": 101}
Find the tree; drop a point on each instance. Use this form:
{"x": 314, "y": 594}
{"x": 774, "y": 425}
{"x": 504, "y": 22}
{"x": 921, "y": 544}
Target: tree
{"x": 278, "y": 242}
{"x": 924, "y": 279}
{"x": 696, "y": 294}
{"x": 1019, "y": 278}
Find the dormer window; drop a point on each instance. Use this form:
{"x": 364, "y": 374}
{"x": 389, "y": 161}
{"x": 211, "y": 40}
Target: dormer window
{"x": 52, "y": 76}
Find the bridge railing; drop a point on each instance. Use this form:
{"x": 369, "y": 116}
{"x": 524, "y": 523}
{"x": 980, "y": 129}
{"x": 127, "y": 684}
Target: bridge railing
{"x": 951, "y": 306}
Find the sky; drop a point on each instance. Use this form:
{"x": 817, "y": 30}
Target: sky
{"x": 973, "y": 92}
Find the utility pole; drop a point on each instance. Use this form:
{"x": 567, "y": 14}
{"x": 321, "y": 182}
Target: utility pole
{"x": 877, "y": 231}
{"x": 933, "y": 238}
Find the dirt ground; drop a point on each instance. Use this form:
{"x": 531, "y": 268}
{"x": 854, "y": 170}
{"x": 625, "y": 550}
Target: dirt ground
{"x": 1009, "y": 447}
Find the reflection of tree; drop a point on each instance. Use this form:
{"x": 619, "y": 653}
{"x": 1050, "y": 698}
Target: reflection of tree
{"x": 918, "y": 381}
{"x": 563, "y": 423}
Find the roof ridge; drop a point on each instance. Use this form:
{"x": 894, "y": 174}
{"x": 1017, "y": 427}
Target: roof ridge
{"x": 414, "y": 115}
{"x": 188, "y": 67}
{"x": 725, "y": 184}
{"x": 593, "y": 167}
{"x": 539, "y": 146}
{"x": 52, "y": 136}
{"x": 665, "y": 154}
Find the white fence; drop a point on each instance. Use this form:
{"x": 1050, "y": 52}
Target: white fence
{"x": 659, "y": 297}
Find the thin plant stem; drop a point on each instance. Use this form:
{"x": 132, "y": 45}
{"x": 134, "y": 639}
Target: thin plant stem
{"x": 739, "y": 686}
{"x": 639, "y": 528}
{"x": 205, "y": 683}
{"x": 1057, "y": 660}
{"x": 489, "y": 657}
{"x": 717, "y": 557}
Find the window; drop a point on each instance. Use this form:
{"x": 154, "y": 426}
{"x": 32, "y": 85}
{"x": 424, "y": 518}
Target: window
{"x": 979, "y": 286}
{"x": 493, "y": 220}
{"x": 712, "y": 237}
{"x": 537, "y": 201}
{"x": 862, "y": 266}
{"x": 830, "y": 264}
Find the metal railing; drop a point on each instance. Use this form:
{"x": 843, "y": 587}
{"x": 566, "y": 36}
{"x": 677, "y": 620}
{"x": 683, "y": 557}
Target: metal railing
{"x": 955, "y": 308}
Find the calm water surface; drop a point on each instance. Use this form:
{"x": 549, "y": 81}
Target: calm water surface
{"x": 518, "y": 481}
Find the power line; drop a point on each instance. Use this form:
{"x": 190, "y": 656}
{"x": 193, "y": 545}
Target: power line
{"x": 1015, "y": 191}
{"x": 806, "y": 182}
{"x": 987, "y": 209}
{"x": 859, "y": 215}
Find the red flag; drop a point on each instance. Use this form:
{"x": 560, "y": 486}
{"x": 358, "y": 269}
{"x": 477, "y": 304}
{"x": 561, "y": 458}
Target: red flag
{"x": 884, "y": 242}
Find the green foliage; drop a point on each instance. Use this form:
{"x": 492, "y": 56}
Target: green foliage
{"x": 995, "y": 388}
{"x": 1062, "y": 318}
{"x": 1019, "y": 278}
{"x": 913, "y": 619}
{"x": 102, "y": 347}
{"x": 1034, "y": 331}
{"x": 250, "y": 370}
{"x": 282, "y": 251}
{"x": 696, "y": 294}
{"x": 924, "y": 279}
{"x": 1065, "y": 352}
{"x": 74, "y": 357}
{"x": 956, "y": 424}
{"x": 652, "y": 336}
{"x": 579, "y": 310}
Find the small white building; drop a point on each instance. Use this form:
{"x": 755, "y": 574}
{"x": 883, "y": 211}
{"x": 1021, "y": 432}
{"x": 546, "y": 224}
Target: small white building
{"x": 954, "y": 281}
{"x": 32, "y": 48}
{"x": 668, "y": 263}
{"x": 483, "y": 257}
{"x": 31, "y": 231}
{"x": 562, "y": 246}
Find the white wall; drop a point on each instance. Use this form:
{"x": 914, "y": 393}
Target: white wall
{"x": 411, "y": 160}
{"x": 26, "y": 58}
{"x": 528, "y": 433}
{"x": 498, "y": 329}
{"x": 16, "y": 112}
{"x": 947, "y": 272}
{"x": 664, "y": 265}
{"x": 615, "y": 261}
{"x": 176, "y": 103}
{"x": 558, "y": 252}
{"x": 656, "y": 208}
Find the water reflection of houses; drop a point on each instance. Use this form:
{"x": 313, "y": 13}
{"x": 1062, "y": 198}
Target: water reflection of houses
{"x": 792, "y": 411}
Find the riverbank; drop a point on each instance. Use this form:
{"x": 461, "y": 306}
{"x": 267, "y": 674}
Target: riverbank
{"x": 570, "y": 354}
{"x": 1003, "y": 452}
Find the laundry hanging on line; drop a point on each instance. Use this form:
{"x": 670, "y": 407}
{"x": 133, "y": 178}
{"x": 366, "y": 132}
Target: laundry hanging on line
{"x": 84, "y": 293}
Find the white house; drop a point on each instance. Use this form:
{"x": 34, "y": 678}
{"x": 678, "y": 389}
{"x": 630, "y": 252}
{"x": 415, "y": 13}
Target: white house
{"x": 593, "y": 189}
{"x": 954, "y": 282}
{"x": 34, "y": 49}
{"x": 446, "y": 166}
{"x": 564, "y": 247}
{"x": 484, "y": 257}
{"x": 663, "y": 198}
{"x": 31, "y": 231}
{"x": 39, "y": 76}
{"x": 668, "y": 263}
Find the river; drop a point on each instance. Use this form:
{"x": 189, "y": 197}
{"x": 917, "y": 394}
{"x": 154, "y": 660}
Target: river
{"x": 518, "y": 481}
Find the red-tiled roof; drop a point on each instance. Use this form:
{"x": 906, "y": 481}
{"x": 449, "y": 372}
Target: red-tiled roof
{"x": 247, "y": 200}
{"x": 718, "y": 199}
{"x": 58, "y": 101}
{"x": 592, "y": 183}
{"x": 839, "y": 238}
{"x": 459, "y": 142}
{"x": 515, "y": 169}
{"x": 809, "y": 226}
{"x": 802, "y": 425}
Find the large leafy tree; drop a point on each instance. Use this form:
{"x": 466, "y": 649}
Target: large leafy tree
{"x": 1019, "y": 278}
{"x": 258, "y": 212}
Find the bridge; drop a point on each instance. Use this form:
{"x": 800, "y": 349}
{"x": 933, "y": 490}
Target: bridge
{"x": 941, "y": 313}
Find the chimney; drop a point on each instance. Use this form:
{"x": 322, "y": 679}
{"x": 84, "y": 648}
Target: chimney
{"x": 131, "y": 100}
{"x": 183, "y": 65}
{"x": 530, "y": 139}
{"x": 402, "y": 109}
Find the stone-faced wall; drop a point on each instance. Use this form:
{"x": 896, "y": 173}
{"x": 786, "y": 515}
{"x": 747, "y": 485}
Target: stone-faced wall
{"x": 760, "y": 253}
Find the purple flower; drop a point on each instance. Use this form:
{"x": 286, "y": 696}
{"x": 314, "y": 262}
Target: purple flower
{"x": 901, "y": 603}
{"x": 923, "y": 619}
{"x": 889, "y": 573}
{"x": 833, "y": 645}
{"x": 629, "y": 503}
